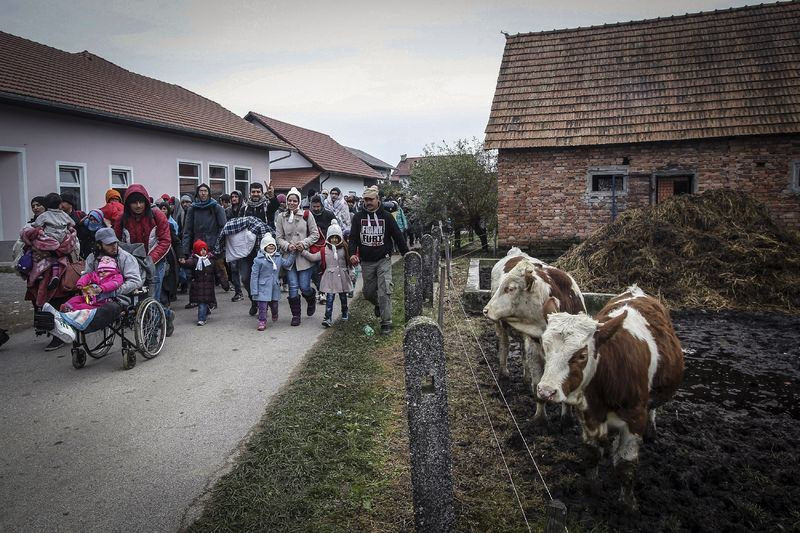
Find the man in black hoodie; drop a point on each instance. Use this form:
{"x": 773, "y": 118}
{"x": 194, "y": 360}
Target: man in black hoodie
{"x": 373, "y": 236}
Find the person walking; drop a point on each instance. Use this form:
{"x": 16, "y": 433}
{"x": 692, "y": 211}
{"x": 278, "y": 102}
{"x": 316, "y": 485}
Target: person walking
{"x": 372, "y": 237}
{"x": 257, "y": 206}
{"x": 335, "y": 273}
{"x": 297, "y": 231}
{"x": 340, "y": 209}
{"x": 140, "y": 223}
{"x": 264, "y": 280}
{"x": 201, "y": 290}
{"x": 204, "y": 221}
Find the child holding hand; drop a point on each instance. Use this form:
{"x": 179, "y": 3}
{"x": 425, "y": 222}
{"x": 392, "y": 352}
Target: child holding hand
{"x": 201, "y": 291}
{"x": 335, "y": 273}
{"x": 265, "y": 287}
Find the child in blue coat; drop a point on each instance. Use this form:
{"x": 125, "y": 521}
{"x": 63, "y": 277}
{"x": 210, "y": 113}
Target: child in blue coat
{"x": 265, "y": 286}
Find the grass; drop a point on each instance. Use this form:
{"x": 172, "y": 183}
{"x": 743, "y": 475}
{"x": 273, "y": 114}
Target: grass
{"x": 329, "y": 453}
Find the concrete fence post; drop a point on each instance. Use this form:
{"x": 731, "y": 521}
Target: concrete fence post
{"x": 427, "y": 268}
{"x": 413, "y": 283}
{"x": 437, "y": 251}
{"x": 556, "y": 517}
{"x": 428, "y": 426}
{"x": 442, "y": 290}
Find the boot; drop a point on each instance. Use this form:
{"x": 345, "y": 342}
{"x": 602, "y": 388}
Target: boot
{"x": 273, "y": 306}
{"x": 253, "y": 307}
{"x": 311, "y": 300}
{"x": 294, "y": 305}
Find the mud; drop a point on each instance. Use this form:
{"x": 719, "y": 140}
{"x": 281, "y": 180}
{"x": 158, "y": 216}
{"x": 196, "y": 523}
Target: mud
{"x": 725, "y": 458}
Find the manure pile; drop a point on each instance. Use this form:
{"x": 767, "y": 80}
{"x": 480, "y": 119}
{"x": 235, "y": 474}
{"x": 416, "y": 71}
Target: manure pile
{"x": 716, "y": 250}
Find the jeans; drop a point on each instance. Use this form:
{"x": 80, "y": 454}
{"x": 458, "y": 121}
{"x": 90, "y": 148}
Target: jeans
{"x": 202, "y": 312}
{"x": 237, "y": 282}
{"x": 330, "y": 298}
{"x": 161, "y": 270}
{"x": 301, "y": 279}
{"x": 245, "y": 269}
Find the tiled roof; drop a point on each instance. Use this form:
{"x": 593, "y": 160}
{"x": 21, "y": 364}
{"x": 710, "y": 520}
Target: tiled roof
{"x": 295, "y": 177}
{"x": 403, "y": 169}
{"x": 38, "y": 75}
{"x": 317, "y": 147}
{"x": 723, "y": 73}
{"x": 371, "y": 160}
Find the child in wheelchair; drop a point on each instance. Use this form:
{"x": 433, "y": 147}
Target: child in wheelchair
{"x": 93, "y": 285}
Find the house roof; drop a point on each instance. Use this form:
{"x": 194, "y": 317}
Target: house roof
{"x": 715, "y": 74}
{"x": 403, "y": 169}
{"x": 371, "y": 160}
{"x": 319, "y": 148}
{"x": 294, "y": 177}
{"x": 37, "y": 75}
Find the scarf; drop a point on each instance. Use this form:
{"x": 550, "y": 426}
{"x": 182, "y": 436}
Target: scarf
{"x": 202, "y": 262}
{"x": 256, "y": 205}
{"x": 271, "y": 260}
{"x": 208, "y": 203}
{"x": 291, "y": 215}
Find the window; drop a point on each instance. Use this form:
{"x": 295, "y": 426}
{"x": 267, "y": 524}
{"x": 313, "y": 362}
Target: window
{"x": 241, "y": 181}
{"x": 188, "y": 177}
{"x": 601, "y": 181}
{"x": 795, "y": 184}
{"x": 218, "y": 180}
{"x": 121, "y": 178}
{"x": 70, "y": 179}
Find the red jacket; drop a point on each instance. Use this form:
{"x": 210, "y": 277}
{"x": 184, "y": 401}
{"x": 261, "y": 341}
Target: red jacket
{"x": 112, "y": 211}
{"x": 151, "y": 228}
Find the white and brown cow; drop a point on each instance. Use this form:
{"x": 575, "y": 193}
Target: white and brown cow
{"x": 518, "y": 302}
{"x": 615, "y": 371}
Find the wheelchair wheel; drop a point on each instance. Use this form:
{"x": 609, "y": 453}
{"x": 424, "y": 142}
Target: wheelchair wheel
{"x": 78, "y": 358}
{"x": 98, "y": 343}
{"x": 128, "y": 358}
{"x": 150, "y": 328}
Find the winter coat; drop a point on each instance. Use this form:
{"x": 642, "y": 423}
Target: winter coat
{"x": 203, "y": 223}
{"x": 373, "y": 235}
{"x": 336, "y": 277}
{"x": 151, "y": 228}
{"x": 201, "y": 290}
{"x": 55, "y": 223}
{"x": 128, "y": 265}
{"x": 260, "y": 211}
{"x": 323, "y": 220}
{"x": 342, "y": 213}
{"x": 264, "y": 283}
{"x": 112, "y": 211}
{"x": 302, "y": 229}
{"x": 400, "y": 218}
{"x": 108, "y": 285}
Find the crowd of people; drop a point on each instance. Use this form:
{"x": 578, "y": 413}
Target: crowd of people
{"x": 259, "y": 246}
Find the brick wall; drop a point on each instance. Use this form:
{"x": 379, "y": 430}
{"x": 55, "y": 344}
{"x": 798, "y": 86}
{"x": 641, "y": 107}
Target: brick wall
{"x": 543, "y": 193}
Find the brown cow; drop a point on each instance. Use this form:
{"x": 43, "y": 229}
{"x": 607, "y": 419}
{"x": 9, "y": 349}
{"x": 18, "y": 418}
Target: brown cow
{"x": 521, "y": 292}
{"x": 616, "y": 371}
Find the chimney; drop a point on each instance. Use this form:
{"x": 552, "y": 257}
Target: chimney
{"x": 403, "y": 157}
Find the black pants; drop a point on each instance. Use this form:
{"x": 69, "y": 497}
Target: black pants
{"x": 104, "y": 316}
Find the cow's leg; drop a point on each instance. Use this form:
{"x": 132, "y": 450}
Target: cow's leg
{"x": 650, "y": 432}
{"x": 626, "y": 456}
{"x": 502, "y": 349}
{"x": 594, "y": 434}
{"x": 534, "y": 360}
{"x": 526, "y": 364}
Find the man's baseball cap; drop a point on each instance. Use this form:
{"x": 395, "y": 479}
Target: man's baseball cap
{"x": 106, "y": 236}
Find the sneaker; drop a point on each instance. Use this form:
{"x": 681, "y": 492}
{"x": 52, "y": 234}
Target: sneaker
{"x": 201, "y": 322}
{"x": 377, "y": 311}
{"x": 326, "y": 323}
{"x": 386, "y": 329}
{"x": 170, "y": 324}
{"x": 190, "y": 306}
{"x": 55, "y": 344}
{"x": 64, "y": 331}
{"x": 237, "y": 297}
{"x": 345, "y": 315}
{"x": 262, "y": 325}
{"x": 350, "y": 295}
{"x": 320, "y": 297}
{"x": 47, "y": 308}
{"x": 54, "y": 281}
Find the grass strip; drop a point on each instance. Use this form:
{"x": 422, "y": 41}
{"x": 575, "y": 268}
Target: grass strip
{"x": 329, "y": 453}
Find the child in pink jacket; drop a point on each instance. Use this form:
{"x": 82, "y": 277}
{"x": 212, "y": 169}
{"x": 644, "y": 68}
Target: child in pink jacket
{"x": 93, "y": 285}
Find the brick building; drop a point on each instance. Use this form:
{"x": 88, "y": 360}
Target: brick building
{"x": 590, "y": 121}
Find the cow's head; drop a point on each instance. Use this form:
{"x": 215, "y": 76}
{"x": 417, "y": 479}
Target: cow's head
{"x": 570, "y": 344}
{"x": 519, "y": 297}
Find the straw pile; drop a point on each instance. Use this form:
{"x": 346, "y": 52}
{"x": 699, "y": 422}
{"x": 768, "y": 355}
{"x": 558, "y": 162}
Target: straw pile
{"x": 717, "y": 250}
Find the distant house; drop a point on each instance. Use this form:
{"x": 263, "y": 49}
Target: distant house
{"x": 76, "y": 122}
{"x": 319, "y": 162}
{"x": 591, "y": 120}
{"x": 383, "y": 168}
{"x": 402, "y": 171}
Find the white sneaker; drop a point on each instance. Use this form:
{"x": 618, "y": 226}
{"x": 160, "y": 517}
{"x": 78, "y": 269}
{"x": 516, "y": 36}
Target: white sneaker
{"x": 47, "y": 308}
{"x": 63, "y": 330}
{"x": 201, "y": 322}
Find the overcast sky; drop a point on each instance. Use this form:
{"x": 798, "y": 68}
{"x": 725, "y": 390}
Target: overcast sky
{"x": 382, "y": 77}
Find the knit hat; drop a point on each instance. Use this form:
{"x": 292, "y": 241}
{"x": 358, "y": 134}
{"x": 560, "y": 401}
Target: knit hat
{"x": 198, "y": 246}
{"x": 186, "y": 198}
{"x": 165, "y": 197}
{"x": 294, "y": 191}
{"x": 112, "y": 194}
{"x": 334, "y": 229}
{"x": 281, "y": 198}
{"x": 106, "y": 263}
{"x": 267, "y": 240}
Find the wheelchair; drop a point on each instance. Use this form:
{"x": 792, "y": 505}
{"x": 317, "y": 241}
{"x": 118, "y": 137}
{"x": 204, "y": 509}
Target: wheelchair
{"x": 141, "y": 326}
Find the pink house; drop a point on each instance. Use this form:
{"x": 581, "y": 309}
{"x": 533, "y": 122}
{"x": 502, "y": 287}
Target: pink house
{"x": 76, "y": 122}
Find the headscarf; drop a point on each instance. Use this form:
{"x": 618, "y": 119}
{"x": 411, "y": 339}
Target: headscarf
{"x": 112, "y": 194}
{"x": 94, "y": 220}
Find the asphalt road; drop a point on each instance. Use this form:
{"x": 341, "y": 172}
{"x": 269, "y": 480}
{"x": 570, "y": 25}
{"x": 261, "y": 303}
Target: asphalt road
{"x": 102, "y": 449}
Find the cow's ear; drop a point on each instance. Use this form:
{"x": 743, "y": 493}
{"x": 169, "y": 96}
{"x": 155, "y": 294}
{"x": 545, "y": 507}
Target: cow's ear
{"x": 550, "y": 306}
{"x": 609, "y": 328}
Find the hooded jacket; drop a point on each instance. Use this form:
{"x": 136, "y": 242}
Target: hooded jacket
{"x": 202, "y": 222}
{"x": 373, "y": 235}
{"x": 336, "y": 273}
{"x": 297, "y": 227}
{"x": 151, "y": 228}
{"x": 264, "y": 283}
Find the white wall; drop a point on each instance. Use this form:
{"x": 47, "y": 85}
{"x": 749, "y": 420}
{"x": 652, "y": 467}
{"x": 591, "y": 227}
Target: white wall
{"x": 345, "y": 183}
{"x": 293, "y": 161}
